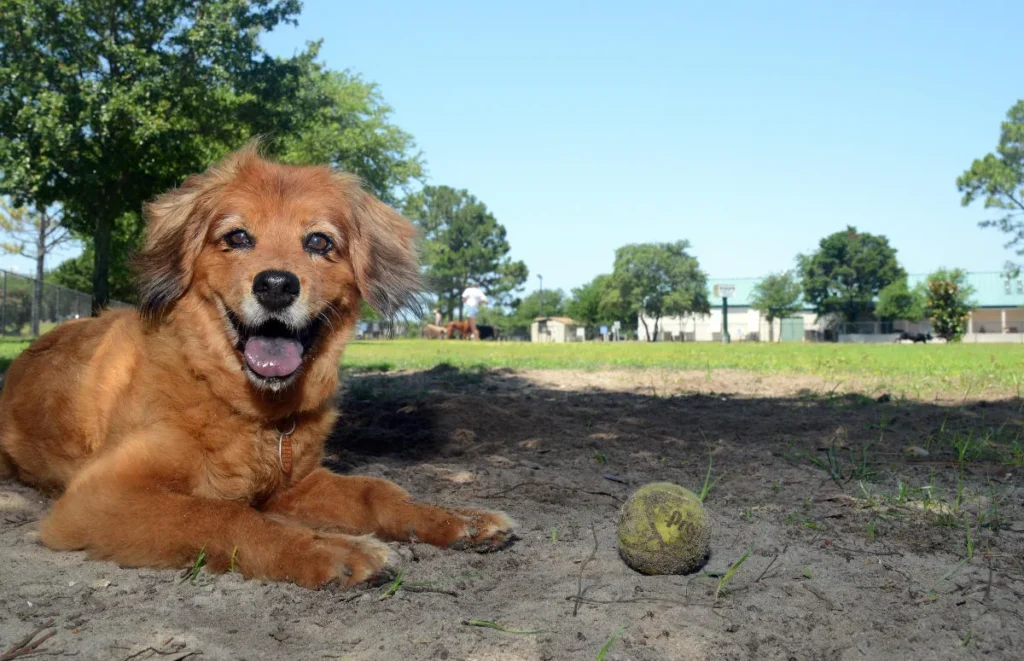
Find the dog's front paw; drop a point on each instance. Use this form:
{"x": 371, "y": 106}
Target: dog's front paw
{"x": 484, "y": 531}
{"x": 343, "y": 559}
{"x": 366, "y": 559}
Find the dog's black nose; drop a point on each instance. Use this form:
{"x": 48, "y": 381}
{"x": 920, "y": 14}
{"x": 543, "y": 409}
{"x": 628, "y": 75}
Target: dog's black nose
{"x": 275, "y": 290}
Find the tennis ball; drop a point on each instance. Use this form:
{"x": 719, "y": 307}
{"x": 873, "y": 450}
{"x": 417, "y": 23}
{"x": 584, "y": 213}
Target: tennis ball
{"x": 663, "y": 529}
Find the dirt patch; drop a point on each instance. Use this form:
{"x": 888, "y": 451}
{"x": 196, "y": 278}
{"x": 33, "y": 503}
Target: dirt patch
{"x": 845, "y": 564}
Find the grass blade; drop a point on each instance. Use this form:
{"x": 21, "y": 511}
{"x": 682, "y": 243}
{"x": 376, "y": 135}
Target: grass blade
{"x": 732, "y": 570}
{"x": 608, "y": 645}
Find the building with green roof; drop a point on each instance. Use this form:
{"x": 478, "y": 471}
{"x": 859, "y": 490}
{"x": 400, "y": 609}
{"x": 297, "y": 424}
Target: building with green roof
{"x": 997, "y": 316}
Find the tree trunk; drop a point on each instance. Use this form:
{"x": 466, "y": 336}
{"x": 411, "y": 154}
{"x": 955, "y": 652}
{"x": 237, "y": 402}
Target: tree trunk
{"x": 771, "y": 330}
{"x": 103, "y": 240}
{"x": 462, "y": 303}
{"x": 37, "y": 290}
{"x": 647, "y": 333}
{"x": 656, "y": 320}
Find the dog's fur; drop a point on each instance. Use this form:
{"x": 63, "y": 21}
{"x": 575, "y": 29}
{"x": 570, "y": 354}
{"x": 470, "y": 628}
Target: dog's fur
{"x": 434, "y": 332}
{"x": 487, "y": 332}
{"x": 158, "y": 437}
{"x": 914, "y": 337}
{"x": 460, "y": 327}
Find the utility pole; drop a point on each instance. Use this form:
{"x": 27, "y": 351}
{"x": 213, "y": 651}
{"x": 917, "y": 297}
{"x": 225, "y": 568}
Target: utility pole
{"x": 541, "y": 279}
{"x": 724, "y": 292}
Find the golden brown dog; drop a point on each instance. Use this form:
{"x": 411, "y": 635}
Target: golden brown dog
{"x": 434, "y": 332}
{"x": 199, "y": 421}
{"x": 463, "y": 328}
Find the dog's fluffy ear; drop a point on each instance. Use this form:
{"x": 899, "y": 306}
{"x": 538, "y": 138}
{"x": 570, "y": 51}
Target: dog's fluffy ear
{"x": 176, "y": 226}
{"x": 174, "y": 236}
{"x": 384, "y": 254}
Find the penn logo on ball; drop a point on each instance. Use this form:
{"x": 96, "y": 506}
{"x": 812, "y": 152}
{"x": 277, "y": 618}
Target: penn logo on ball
{"x": 664, "y": 529}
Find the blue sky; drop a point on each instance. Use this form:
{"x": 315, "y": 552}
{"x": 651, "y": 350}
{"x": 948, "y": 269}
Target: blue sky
{"x": 751, "y": 129}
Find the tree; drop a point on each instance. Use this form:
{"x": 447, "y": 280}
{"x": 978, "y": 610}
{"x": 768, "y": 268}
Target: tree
{"x": 339, "y": 120}
{"x": 523, "y": 314}
{"x": 949, "y": 303}
{"x": 463, "y": 242}
{"x": 776, "y": 297}
{"x": 598, "y": 303}
{"x": 898, "y": 301}
{"x": 34, "y": 234}
{"x": 77, "y": 272}
{"x": 585, "y": 304}
{"x": 658, "y": 280}
{"x": 105, "y": 104}
{"x": 343, "y": 121}
{"x": 847, "y": 272}
{"x": 998, "y": 179}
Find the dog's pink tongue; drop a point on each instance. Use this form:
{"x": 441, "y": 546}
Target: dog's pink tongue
{"x": 273, "y": 356}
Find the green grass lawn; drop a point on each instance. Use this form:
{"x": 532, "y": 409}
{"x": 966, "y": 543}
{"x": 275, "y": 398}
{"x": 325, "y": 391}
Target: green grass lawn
{"x": 10, "y": 347}
{"x": 964, "y": 368}
{"x": 967, "y": 369}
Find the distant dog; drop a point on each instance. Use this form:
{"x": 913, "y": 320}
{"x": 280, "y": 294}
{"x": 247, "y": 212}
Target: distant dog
{"x": 914, "y": 337}
{"x": 432, "y": 332}
{"x": 462, "y": 327}
{"x": 487, "y": 332}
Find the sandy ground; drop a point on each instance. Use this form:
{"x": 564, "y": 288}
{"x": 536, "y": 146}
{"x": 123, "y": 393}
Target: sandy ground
{"x": 831, "y": 576}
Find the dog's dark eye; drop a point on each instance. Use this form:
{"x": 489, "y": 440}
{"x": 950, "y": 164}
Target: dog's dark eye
{"x": 319, "y": 244}
{"x": 238, "y": 239}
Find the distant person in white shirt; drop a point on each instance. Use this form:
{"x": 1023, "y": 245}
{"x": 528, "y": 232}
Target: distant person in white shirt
{"x": 472, "y": 298}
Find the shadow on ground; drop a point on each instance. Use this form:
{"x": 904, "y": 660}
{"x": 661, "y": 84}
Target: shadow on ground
{"x": 447, "y": 413}
{"x": 888, "y": 529}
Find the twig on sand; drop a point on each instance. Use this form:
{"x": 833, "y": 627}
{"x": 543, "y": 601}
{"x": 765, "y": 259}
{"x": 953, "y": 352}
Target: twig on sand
{"x": 777, "y": 555}
{"x": 761, "y": 575}
{"x": 552, "y": 485}
{"x": 988, "y": 588}
{"x": 821, "y": 595}
{"x": 489, "y": 624}
{"x": 583, "y": 567}
{"x": 29, "y": 645}
{"x": 13, "y": 523}
{"x": 632, "y": 600}
{"x": 175, "y": 650}
{"x": 424, "y": 588}
{"x": 843, "y": 548}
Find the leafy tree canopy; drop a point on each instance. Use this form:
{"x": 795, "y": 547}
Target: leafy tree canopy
{"x": 847, "y": 272}
{"x": 105, "y": 105}
{"x": 776, "y": 297}
{"x": 463, "y": 243}
{"x": 997, "y": 179}
{"x": 658, "y": 280}
{"x": 949, "y": 302}
{"x": 898, "y": 301}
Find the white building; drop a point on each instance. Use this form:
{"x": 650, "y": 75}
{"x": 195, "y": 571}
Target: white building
{"x": 553, "y": 329}
{"x": 998, "y": 316}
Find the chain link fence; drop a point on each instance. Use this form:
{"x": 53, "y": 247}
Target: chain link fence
{"x": 58, "y": 304}
{"x": 883, "y": 327}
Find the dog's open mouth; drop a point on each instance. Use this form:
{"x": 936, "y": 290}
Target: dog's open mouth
{"x": 272, "y": 350}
